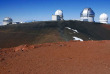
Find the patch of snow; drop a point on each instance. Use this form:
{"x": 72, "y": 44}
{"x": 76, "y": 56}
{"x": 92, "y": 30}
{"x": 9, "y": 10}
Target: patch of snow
{"x": 75, "y": 31}
{"x": 76, "y": 38}
{"x": 68, "y": 28}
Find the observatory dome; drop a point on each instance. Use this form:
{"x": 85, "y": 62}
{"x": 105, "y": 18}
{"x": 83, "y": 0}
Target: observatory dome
{"x": 103, "y": 18}
{"x": 59, "y": 12}
{"x": 87, "y": 12}
{"x": 7, "y": 21}
{"x": 58, "y": 15}
{"x": 87, "y": 15}
{"x": 8, "y": 18}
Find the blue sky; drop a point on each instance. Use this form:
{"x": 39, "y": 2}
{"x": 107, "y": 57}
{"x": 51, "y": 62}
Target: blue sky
{"x": 25, "y": 10}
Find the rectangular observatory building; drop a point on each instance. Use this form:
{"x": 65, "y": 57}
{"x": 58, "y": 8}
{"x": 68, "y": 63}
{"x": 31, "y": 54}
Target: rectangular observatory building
{"x": 55, "y": 18}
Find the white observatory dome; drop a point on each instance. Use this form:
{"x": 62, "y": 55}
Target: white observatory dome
{"x": 7, "y": 21}
{"x": 58, "y": 15}
{"x": 87, "y": 15}
{"x": 59, "y": 12}
{"x": 103, "y": 18}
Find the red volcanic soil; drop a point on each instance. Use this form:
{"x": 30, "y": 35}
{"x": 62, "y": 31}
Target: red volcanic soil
{"x": 88, "y": 57}
{"x": 107, "y": 26}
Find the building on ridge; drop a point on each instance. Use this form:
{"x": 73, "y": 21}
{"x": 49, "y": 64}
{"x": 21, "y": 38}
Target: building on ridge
{"x": 58, "y": 16}
{"x": 87, "y": 15}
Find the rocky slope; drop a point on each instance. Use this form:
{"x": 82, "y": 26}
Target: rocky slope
{"x": 51, "y": 31}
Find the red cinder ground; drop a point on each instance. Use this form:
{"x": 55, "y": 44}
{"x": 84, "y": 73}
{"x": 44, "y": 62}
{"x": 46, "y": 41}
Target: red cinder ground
{"x": 88, "y": 57}
{"x": 106, "y": 26}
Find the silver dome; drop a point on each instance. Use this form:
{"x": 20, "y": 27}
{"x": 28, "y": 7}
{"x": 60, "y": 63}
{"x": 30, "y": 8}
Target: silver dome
{"x": 87, "y": 12}
{"x": 7, "y": 21}
{"x": 59, "y": 12}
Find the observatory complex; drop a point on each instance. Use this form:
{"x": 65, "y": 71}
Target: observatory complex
{"x": 87, "y": 15}
{"x": 103, "y": 18}
{"x": 58, "y": 15}
{"x": 7, "y": 21}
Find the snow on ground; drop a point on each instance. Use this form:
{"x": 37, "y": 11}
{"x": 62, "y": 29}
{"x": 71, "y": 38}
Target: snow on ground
{"x": 68, "y": 28}
{"x": 76, "y": 38}
{"x": 75, "y": 31}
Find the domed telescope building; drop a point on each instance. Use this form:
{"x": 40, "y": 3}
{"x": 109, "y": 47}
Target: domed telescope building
{"x": 103, "y": 18}
{"x": 58, "y": 15}
{"x": 87, "y": 15}
{"x": 7, "y": 21}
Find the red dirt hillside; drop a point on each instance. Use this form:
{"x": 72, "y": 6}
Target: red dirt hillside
{"x": 87, "y": 57}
